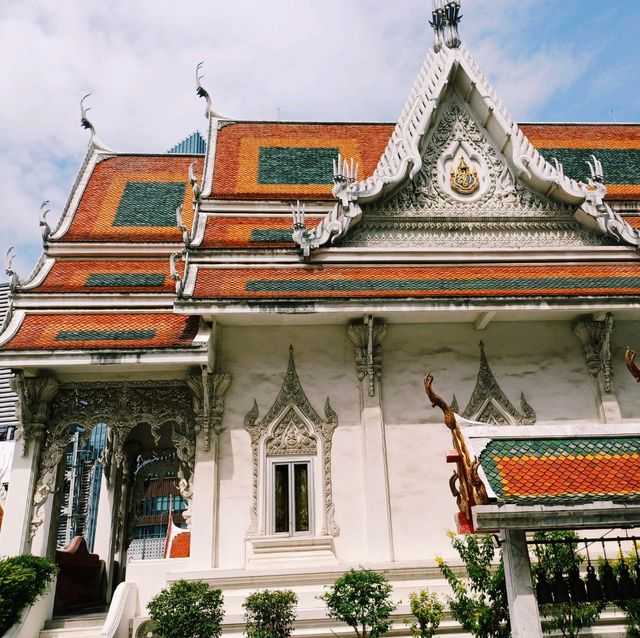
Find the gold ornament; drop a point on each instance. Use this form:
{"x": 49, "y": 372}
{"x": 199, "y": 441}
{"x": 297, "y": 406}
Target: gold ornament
{"x": 464, "y": 180}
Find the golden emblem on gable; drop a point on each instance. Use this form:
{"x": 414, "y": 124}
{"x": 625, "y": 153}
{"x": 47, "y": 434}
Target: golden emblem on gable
{"x": 464, "y": 179}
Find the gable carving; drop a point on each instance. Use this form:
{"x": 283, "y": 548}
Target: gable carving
{"x": 291, "y": 436}
{"x": 489, "y": 404}
{"x": 456, "y": 135}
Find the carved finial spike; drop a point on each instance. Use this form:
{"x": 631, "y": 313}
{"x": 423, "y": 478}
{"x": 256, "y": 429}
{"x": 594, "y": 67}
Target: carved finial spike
{"x": 201, "y": 91}
{"x": 84, "y": 121}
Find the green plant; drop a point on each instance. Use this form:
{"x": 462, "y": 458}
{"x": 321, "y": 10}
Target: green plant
{"x": 559, "y": 559}
{"x": 479, "y": 602}
{"x": 270, "y": 614}
{"x": 187, "y": 609}
{"x": 23, "y": 579}
{"x": 361, "y": 599}
{"x": 428, "y": 610}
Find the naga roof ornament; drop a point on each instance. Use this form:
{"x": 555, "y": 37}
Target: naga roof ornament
{"x": 445, "y": 20}
{"x": 85, "y": 122}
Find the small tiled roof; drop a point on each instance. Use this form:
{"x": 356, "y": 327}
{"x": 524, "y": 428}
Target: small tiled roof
{"x": 94, "y": 276}
{"x": 180, "y": 546}
{"x": 134, "y": 198}
{"x": 223, "y": 231}
{"x": 103, "y": 331}
{"x": 344, "y": 282}
{"x": 558, "y": 470}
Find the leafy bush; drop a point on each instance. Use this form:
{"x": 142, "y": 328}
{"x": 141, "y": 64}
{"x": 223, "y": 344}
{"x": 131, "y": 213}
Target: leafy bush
{"x": 270, "y": 614}
{"x": 361, "y": 599}
{"x": 479, "y": 602}
{"x": 187, "y": 610}
{"x": 558, "y": 561}
{"x": 23, "y": 579}
{"x": 428, "y": 610}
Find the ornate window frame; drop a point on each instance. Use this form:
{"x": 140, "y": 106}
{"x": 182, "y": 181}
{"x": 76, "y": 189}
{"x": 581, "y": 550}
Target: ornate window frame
{"x": 290, "y": 430}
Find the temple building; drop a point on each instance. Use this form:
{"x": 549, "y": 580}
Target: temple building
{"x": 250, "y": 318}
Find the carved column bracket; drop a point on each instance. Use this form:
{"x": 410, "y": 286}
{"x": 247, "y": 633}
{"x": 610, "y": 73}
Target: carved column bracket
{"x": 367, "y": 342}
{"x": 34, "y": 406}
{"x": 208, "y": 401}
{"x": 595, "y": 337}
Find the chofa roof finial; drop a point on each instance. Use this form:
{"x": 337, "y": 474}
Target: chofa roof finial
{"x": 202, "y": 92}
{"x": 85, "y": 122}
{"x": 45, "y": 229}
{"x": 14, "y": 280}
{"x": 445, "y": 20}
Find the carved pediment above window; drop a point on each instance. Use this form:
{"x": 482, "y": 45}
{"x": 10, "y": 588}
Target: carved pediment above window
{"x": 489, "y": 404}
{"x": 291, "y": 436}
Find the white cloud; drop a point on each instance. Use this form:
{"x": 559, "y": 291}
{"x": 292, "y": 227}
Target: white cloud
{"x": 312, "y": 59}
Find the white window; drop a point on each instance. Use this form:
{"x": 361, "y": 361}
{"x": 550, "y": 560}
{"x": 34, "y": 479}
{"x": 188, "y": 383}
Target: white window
{"x": 291, "y": 496}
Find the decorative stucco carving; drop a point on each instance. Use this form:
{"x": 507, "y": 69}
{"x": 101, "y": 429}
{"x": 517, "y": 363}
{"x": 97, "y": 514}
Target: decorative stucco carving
{"x": 489, "y": 404}
{"x": 33, "y": 407}
{"x": 595, "y": 337}
{"x": 367, "y": 339}
{"x": 208, "y": 401}
{"x": 120, "y": 405}
{"x": 292, "y": 426}
{"x": 500, "y": 194}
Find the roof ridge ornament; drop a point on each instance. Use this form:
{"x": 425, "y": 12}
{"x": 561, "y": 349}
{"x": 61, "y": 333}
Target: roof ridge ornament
{"x": 209, "y": 112}
{"x": 14, "y": 280}
{"x": 445, "y": 20}
{"x": 45, "y": 229}
{"x": 85, "y": 122}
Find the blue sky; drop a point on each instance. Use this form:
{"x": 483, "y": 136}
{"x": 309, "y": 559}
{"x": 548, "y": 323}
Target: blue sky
{"x": 549, "y": 60}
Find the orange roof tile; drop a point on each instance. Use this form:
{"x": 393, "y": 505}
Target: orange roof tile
{"x": 103, "y": 331}
{"x": 181, "y": 546}
{"x": 563, "y": 470}
{"x": 248, "y": 232}
{"x": 242, "y": 147}
{"x": 345, "y": 282}
{"x": 611, "y": 136}
{"x": 108, "y": 276}
{"x": 151, "y": 184}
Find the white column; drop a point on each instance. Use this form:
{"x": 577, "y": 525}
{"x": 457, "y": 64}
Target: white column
{"x": 376, "y": 477}
{"x": 204, "y": 510}
{"x": 523, "y": 606}
{"x": 16, "y": 524}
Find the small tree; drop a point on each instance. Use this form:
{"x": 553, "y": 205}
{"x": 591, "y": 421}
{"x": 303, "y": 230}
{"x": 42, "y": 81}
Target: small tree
{"x": 428, "y": 610}
{"x": 361, "y": 599}
{"x": 568, "y": 618}
{"x": 187, "y": 610}
{"x": 270, "y": 614}
{"x": 23, "y": 579}
{"x": 479, "y": 602}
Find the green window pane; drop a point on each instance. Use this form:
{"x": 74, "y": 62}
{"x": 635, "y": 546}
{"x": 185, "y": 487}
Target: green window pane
{"x": 281, "y": 505}
{"x": 285, "y": 165}
{"x": 150, "y": 204}
{"x": 301, "y": 492}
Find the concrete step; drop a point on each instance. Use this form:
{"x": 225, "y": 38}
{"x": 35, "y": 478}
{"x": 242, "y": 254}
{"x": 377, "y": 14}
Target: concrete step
{"x": 80, "y": 626}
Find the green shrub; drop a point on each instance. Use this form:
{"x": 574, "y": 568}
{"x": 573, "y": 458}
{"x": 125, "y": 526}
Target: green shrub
{"x": 187, "y": 610}
{"x": 270, "y": 614}
{"x": 479, "y": 601}
{"x": 23, "y": 579}
{"x": 428, "y": 610}
{"x": 361, "y": 599}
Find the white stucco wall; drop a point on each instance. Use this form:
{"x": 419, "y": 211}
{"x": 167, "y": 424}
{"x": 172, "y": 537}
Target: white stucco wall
{"x": 543, "y": 360}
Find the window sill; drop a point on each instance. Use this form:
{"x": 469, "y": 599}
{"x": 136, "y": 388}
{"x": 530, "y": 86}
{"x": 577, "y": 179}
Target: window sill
{"x": 281, "y": 550}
